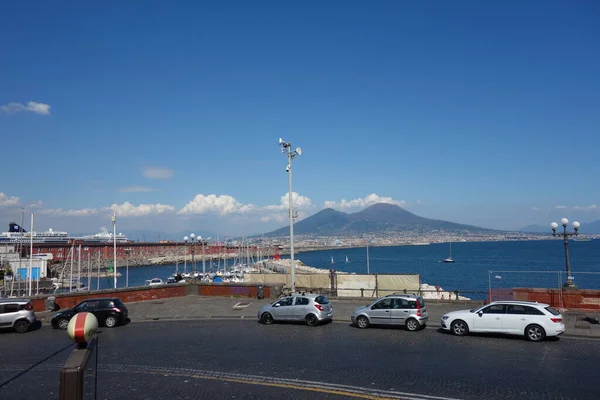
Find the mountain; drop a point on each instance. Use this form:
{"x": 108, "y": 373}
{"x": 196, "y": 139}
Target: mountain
{"x": 536, "y": 229}
{"x": 591, "y": 228}
{"x": 378, "y": 218}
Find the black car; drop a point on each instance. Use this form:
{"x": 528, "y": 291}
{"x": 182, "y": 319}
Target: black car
{"x": 109, "y": 312}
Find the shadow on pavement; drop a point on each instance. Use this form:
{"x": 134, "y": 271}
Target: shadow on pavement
{"x": 499, "y": 336}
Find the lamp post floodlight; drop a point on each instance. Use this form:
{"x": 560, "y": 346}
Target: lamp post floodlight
{"x": 286, "y": 148}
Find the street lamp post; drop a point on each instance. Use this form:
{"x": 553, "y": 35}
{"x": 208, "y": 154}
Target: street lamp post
{"x": 193, "y": 238}
{"x": 127, "y": 252}
{"x": 114, "y": 221}
{"x": 203, "y": 257}
{"x": 286, "y": 148}
{"x": 185, "y": 240}
{"x": 569, "y": 284}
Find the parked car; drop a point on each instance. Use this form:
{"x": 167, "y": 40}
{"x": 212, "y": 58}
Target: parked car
{"x": 110, "y": 312}
{"x": 394, "y": 309}
{"x": 17, "y": 314}
{"x": 535, "y": 321}
{"x": 312, "y": 308}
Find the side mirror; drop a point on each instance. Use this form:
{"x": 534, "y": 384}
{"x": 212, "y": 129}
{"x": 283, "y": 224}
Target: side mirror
{"x": 480, "y": 313}
{"x": 276, "y": 305}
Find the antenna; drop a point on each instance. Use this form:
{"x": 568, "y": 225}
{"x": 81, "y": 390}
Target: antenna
{"x": 280, "y": 140}
{"x": 298, "y": 151}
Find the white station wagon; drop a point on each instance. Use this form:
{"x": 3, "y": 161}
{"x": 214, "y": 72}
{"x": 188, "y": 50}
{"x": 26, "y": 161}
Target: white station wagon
{"x": 535, "y": 321}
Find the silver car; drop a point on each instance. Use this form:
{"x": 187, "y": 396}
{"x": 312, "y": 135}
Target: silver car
{"x": 395, "y": 309}
{"x": 17, "y": 314}
{"x": 312, "y": 308}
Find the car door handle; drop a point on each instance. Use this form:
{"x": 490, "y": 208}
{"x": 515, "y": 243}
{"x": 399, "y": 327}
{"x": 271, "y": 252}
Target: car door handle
{"x": 387, "y": 310}
{"x": 523, "y": 319}
{"x": 497, "y": 317}
{"x": 405, "y": 311}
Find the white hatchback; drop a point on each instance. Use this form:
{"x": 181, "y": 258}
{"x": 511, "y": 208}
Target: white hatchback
{"x": 535, "y": 321}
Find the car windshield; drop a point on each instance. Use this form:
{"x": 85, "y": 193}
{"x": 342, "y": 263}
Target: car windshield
{"x": 552, "y": 311}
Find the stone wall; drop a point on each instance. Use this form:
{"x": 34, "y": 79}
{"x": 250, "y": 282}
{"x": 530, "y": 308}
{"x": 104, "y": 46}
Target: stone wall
{"x": 128, "y": 295}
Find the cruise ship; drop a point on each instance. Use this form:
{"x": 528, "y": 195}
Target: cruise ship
{"x": 16, "y": 234}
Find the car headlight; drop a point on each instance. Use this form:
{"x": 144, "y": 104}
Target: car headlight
{"x": 445, "y": 317}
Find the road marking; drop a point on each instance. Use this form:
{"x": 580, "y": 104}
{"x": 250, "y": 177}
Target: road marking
{"x": 295, "y": 384}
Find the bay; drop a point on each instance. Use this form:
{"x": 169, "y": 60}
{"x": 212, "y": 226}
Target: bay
{"x": 470, "y": 273}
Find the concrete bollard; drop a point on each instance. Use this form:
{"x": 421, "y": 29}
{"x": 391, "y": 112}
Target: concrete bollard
{"x": 79, "y": 376}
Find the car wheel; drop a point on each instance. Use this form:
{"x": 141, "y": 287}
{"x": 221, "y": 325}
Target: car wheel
{"x": 412, "y": 325}
{"x": 459, "y": 328}
{"x": 110, "y": 321}
{"x": 362, "y": 322}
{"x": 266, "y": 318}
{"x": 312, "y": 320}
{"x": 21, "y": 326}
{"x": 535, "y": 333}
{"x": 62, "y": 323}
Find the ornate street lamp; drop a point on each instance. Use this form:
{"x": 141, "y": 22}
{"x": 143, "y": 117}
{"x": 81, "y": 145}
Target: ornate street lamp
{"x": 203, "y": 240}
{"x": 193, "y": 238}
{"x": 569, "y": 284}
{"x": 185, "y": 240}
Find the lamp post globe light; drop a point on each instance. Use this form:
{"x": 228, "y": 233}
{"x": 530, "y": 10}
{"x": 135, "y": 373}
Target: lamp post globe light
{"x": 569, "y": 284}
{"x": 286, "y": 148}
{"x": 185, "y": 240}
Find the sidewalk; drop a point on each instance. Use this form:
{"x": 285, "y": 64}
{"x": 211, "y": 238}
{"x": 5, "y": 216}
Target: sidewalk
{"x": 577, "y": 323}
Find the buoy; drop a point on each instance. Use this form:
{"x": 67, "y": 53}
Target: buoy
{"x": 82, "y": 327}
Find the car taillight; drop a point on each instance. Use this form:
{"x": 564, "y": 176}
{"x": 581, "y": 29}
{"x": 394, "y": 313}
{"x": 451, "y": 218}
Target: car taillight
{"x": 29, "y": 307}
{"x": 117, "y": 309}
{"x": 319, "y": 307}
{"x": 556, "y": 320}
{"x": 419, "y": 310}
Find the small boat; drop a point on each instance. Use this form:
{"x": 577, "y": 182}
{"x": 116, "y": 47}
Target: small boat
{"x": 449, "y": 259}
{"x": 347, "y": 261}
{"x": 332, "y": 261}
{"x": 154, "y": 282}
{"x": 581, "y": 239}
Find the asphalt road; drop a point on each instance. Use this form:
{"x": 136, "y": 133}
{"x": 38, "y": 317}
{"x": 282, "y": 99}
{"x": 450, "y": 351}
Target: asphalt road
{"x": 245, "y": 360}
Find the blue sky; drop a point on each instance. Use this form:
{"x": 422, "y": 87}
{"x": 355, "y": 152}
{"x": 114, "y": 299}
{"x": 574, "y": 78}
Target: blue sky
{"x": 168, "y": 113}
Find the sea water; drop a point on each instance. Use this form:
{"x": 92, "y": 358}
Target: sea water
{"x": 529, "y": 262}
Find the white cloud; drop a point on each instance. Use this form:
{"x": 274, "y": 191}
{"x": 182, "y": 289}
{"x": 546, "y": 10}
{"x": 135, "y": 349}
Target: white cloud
{"x": 300, "y": 202}
{"x": 302, "y": 205}
{"x": 6, "y": 201}
{"x": 592, "y": 207}
{"x": 362, "y": 203}
{"x": 129, "y": 210}
{"x": 59, "y": 212}
{"x": 222, "y": 205}
{"x": 535, "y": 208}
{"x": 136, "y": 189}
{"x": 157, "y": 172}
{"x": 275, "y": 217}
{"x": 560, "y": 207}
{"x": 32, "y": 106}
{"x": 36, "y": 204}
